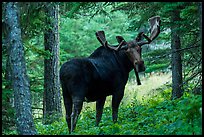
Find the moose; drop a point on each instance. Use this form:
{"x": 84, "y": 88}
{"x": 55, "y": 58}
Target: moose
{"x": 105, "y": 72}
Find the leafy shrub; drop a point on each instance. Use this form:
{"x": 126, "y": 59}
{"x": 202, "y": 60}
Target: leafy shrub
{"x": 155, "y": 116}
{"x": 56, "y": 128}
{"x": 161, "y": 116}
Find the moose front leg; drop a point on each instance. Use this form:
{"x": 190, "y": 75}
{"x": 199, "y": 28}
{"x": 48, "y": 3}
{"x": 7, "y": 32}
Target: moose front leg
{"x": 99, "y": 109}
{"x": 116, "y": 99}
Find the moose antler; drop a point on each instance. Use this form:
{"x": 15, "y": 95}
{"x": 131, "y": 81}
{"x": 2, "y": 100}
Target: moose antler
{"x": 154, "y": 30}
{"x": 102, "y": 39}
{"x": 155, "y": 27}
{"x": 115, "y": 48}
{"x": 100, "y": 35}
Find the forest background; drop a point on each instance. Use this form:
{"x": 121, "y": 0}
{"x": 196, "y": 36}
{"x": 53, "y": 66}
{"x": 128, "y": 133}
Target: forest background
{"x": 70, "y": 28}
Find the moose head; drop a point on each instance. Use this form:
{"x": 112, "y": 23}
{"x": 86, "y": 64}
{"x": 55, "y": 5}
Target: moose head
{"x": 133, "y": 48}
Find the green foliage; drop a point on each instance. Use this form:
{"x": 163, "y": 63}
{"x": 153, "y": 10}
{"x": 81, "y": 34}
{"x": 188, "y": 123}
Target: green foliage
{"x": 77, "y": 36}
{"x": 157, "y": 52}
{"x": 155, "y": 67}
{"x": 156, "y": 60}
{"x": 32, "y": 19}
{"x": 157, "y": 115}
{"x": 8, "y": 118}
{"x": 74, "y": 6}
{"x": 56, "y": 128}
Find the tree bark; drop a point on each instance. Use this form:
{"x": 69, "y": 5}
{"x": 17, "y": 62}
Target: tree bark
{"x": 176, "y": 56}
{"x": 20, "y": 82}
{"x": 52, "y": 98}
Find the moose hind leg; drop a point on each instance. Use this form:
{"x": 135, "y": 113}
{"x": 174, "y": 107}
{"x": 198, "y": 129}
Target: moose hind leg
{"x": 99, "y": 109}
{"x": 68, "y": 106}
{"x": 76, "y": 109}
{"x": 116, "y": 99}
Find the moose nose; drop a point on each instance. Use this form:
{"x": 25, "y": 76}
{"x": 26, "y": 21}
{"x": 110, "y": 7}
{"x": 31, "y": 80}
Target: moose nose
{"x": 143, "y": 68}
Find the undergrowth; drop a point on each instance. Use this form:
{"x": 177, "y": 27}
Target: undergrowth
{"x": 157, "y": 115}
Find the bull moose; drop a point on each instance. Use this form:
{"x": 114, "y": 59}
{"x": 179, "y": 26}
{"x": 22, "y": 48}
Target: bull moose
{"x": 105, "y": 72}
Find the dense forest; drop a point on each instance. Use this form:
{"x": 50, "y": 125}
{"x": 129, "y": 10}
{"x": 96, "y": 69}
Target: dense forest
{"x": 38, "y": 37}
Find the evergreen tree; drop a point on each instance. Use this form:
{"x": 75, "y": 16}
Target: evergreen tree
{"x": 176, "y": 56}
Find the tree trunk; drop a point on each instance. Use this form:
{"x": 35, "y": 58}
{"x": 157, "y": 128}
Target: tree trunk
{"x": 52, "y": 97}
{"x": 20, "y": 82}
{"x": 176, "y": 56}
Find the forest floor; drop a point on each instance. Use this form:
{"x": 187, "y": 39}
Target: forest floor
{"x": 145, "y": 110}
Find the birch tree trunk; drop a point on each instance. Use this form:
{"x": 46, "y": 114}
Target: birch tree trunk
{"x": 20, "y": 82}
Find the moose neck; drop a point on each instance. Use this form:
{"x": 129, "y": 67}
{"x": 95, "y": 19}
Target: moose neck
{"x": 121, "y": 58}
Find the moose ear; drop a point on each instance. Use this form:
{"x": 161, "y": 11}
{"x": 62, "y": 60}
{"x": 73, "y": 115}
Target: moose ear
{"x": 120, "y": 39}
